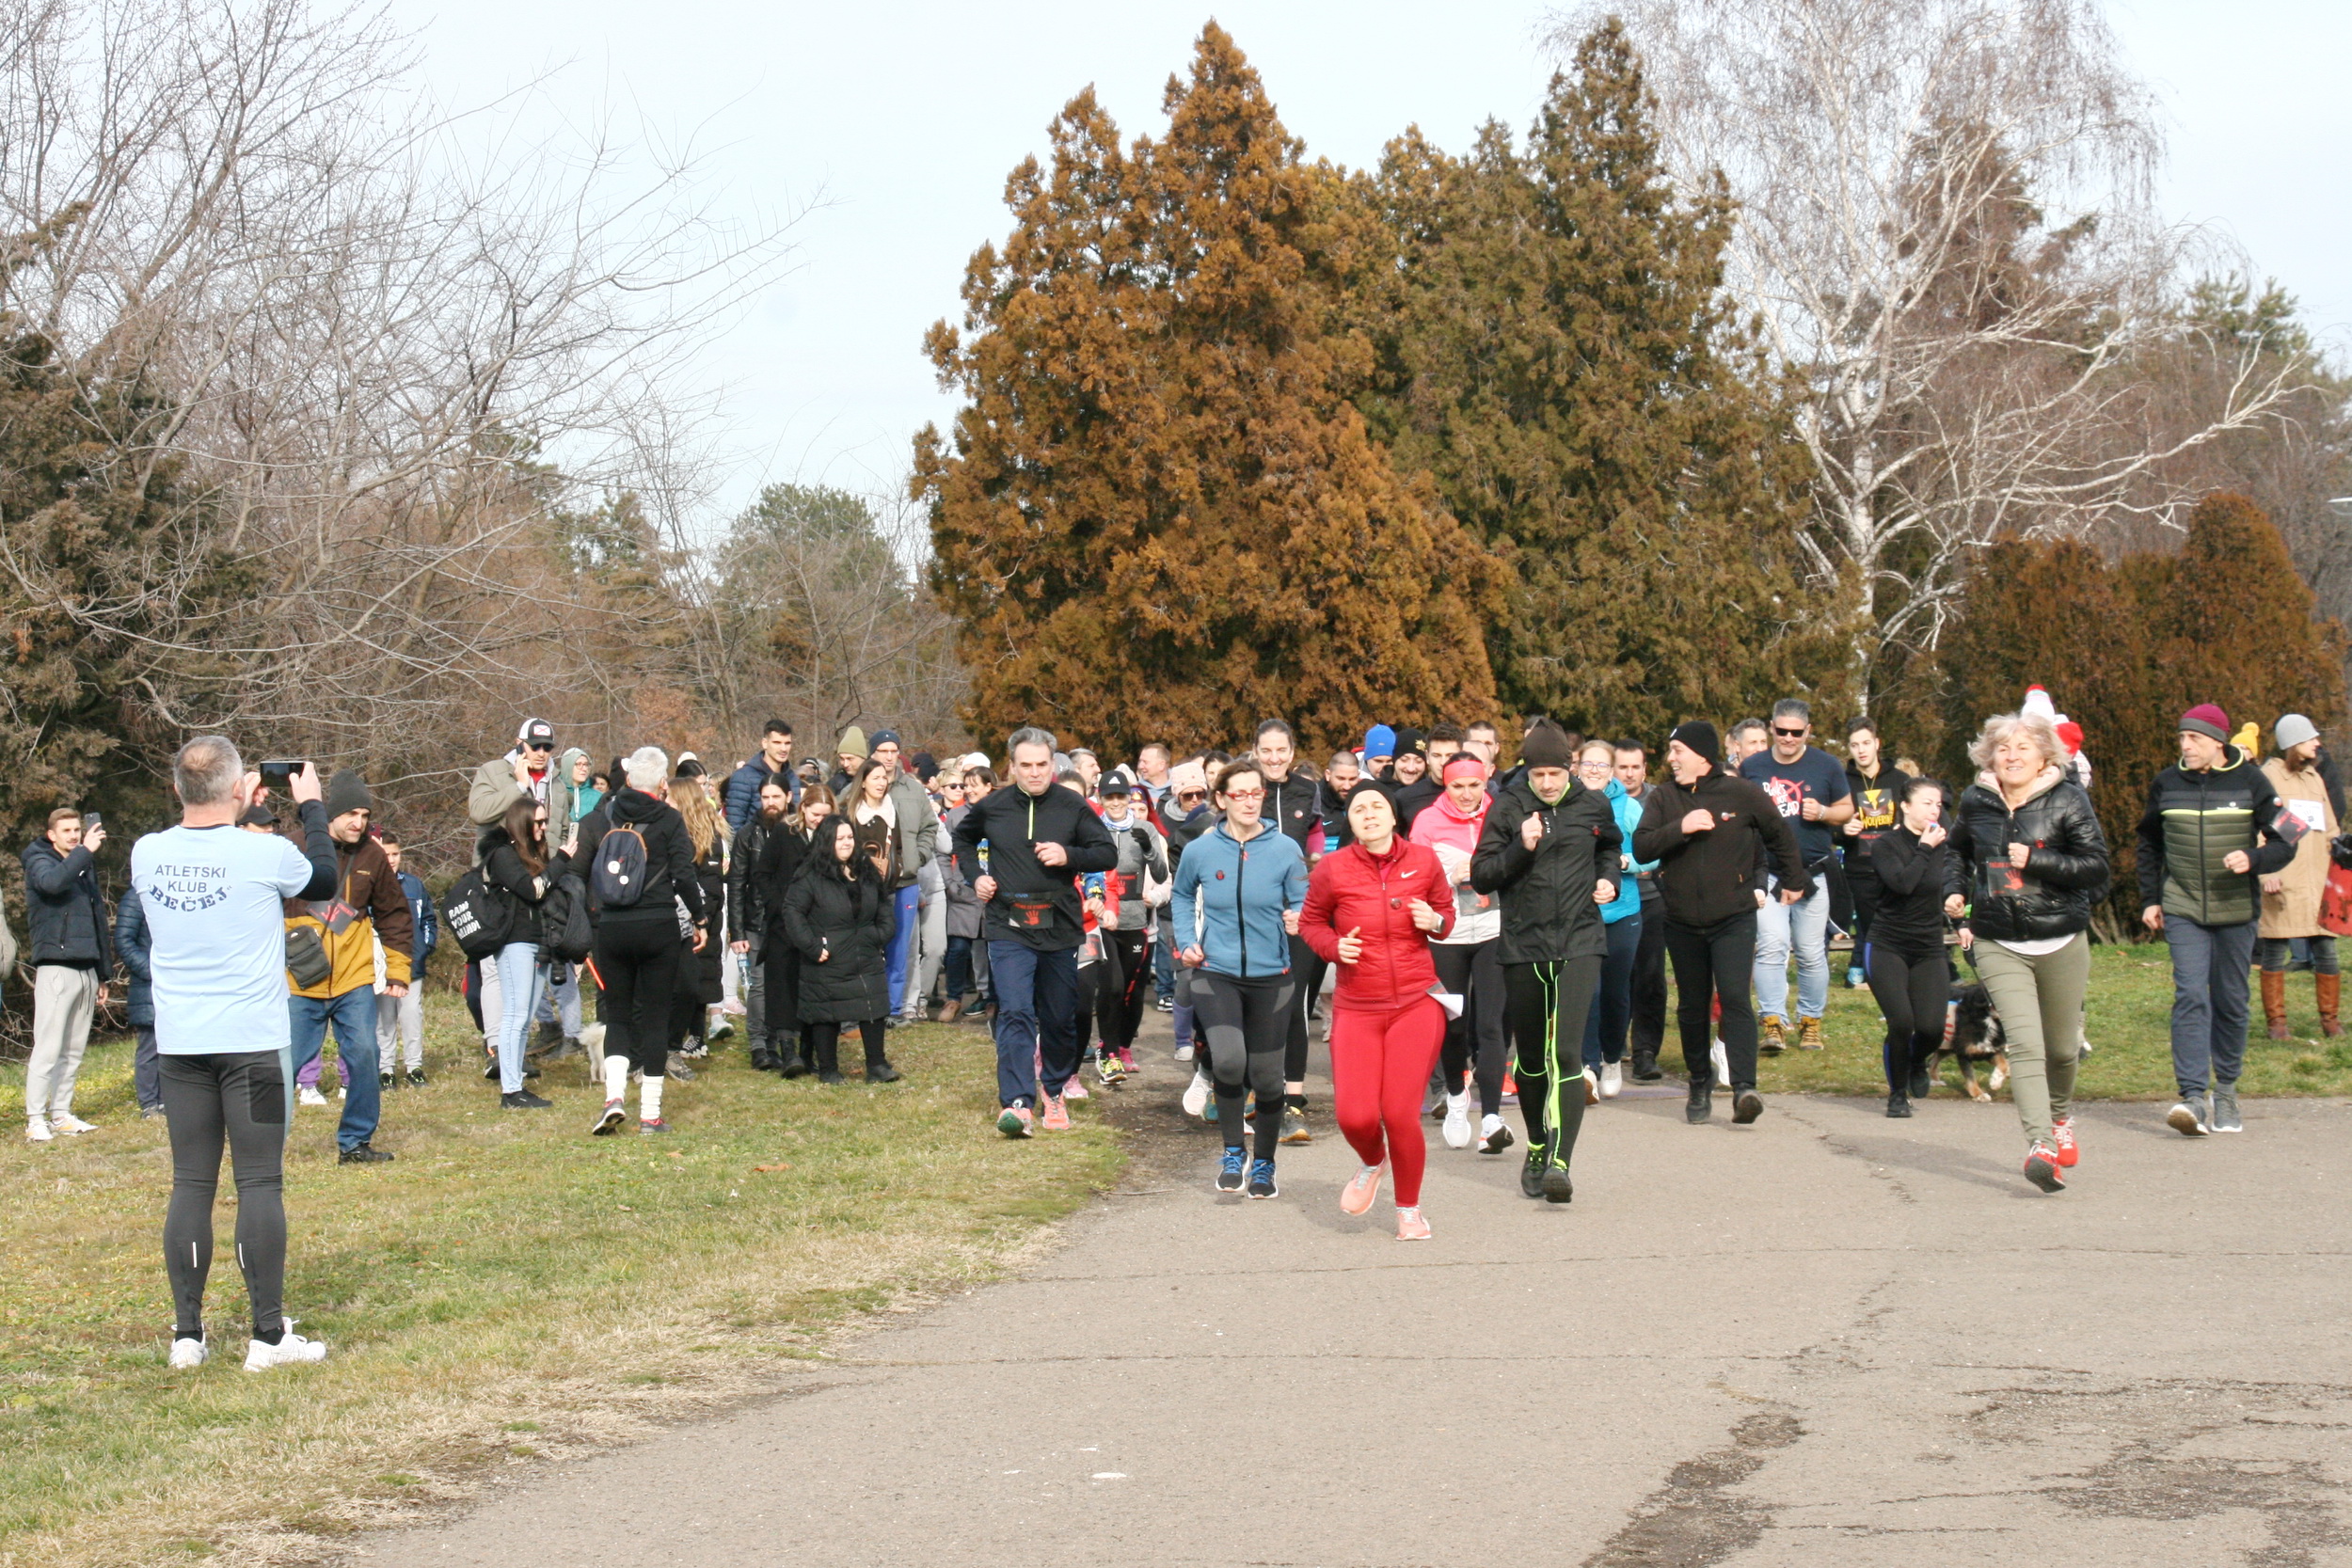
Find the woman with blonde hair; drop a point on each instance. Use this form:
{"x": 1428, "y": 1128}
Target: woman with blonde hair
{"x": 701, "y": 977}
{"x": 2026, "y": 862}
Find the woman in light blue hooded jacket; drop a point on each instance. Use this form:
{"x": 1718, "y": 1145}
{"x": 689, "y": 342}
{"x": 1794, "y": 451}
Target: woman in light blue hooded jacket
{"x": 1612, "y": 1003}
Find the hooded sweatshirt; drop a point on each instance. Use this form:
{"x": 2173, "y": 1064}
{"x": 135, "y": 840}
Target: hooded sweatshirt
{"x": 1445, "y": 828}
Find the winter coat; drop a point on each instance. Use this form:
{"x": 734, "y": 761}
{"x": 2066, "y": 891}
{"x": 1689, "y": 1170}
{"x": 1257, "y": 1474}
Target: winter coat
{"x": 1035, "y": 904}
{"x": 1627, "y": 811}
{"x": 963, "y": 905}
{"x": 708, "y": 966}
{"x": 669, "y": 860}
{"x": 1443, "y": 827}
{"x": 65, "y": 914}
{"x": 841, "y": 927}
{"x": 1141, "y": 851}
{"x": 1353, "y": 889}
{"x": 579, "y": 799}
{"x": 2294, "y": 910}
{"x": 1333, "y": 808}
{"x": 748, "y": 910}
{"x": 502, "y": 865}
{"x": 494, "y": 790}
{"x": 2067, "y": 871}
{"x": 131, "y": 947}
{"x": 369, "y": 905}
{"x": 741, "y": 793}
{"x": 424, "y": 924}
{"x": 1240, "y": 892}
{"x": 915, "y": 837}
{"x": 1708, "y": 878}
{"x": 2194, "y": 819}
{"x": 1547, "y": 910}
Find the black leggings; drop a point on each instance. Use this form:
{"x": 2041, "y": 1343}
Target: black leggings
{"x": 238, "y": 1098}
{"x": 638, "y": 962}
{"x": 1118, "y": 1005}
{"x": 822, "y": 1042}
{"x": 1864, "y": 883}
{"x": 1473, "y": 971}
{"x": 1295, "y": 1042}
{"x": 1911, "y": 988}
{"x": 1646, "y": 1032}
{"x": 1548, "y": 1002}
{"x": 1718, "y": 959}
{"x": 1246, "y": 1024}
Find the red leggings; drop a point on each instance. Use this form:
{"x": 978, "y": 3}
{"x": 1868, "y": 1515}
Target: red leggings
{"x": 1380, "y": 1064}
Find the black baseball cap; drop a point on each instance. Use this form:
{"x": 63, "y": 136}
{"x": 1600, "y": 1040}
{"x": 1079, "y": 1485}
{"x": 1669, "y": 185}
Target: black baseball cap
{"x": 1113, "y": 784}
{"x": 536, "y": 731}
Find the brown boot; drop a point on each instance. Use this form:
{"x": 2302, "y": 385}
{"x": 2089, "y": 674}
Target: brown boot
{"x": 2275, "y": 1003}
{"x": 2331, "y": 998}
{"x": 952, "y": 1011}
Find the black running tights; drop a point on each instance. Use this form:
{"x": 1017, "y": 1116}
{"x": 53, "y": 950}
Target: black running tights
{"x": 239, "y": 1099}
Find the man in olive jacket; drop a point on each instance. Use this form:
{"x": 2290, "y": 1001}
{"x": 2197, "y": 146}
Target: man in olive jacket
{"x": 2210, "y": 833}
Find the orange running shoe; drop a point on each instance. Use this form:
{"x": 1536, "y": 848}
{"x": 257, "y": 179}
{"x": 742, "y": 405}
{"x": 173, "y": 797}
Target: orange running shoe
{"x": 1411, "y": 1226}
{"x": 1056, "y": 1118}
{"x": 1356, "y": 1197}
{"x": 2062, "y": 1139}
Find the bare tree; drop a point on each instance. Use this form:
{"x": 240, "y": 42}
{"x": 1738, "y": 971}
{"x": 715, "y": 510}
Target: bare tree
{"x": 1971, "y": 362}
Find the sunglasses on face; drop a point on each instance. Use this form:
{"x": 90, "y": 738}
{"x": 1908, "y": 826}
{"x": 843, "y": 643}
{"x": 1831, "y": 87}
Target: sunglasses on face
{"x": 1191, "y": 794}
{"x": 541, "y": 746}
{"x": 1797, "y": 733}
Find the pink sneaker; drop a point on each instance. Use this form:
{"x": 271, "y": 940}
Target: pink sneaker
{"x": 1411, "y": 1226}
{"x": 1356, "y": 1197}
{"x": 1076, "y": 1088}
{"x": 1056, "y": 1118}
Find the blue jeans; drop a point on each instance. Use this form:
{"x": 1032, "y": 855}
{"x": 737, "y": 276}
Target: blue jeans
{"x": 1806, "y": 926}
{"x": 1164, "y": 963}
{"x": 909, "y": 903}
{"x": 1037, "y": 1013}
{"x": 1612, "y": 1010}
{"x": 519, "y": 976}
{"x": 2209, "y": 985}
{"x": 958, "y": 965}
{"x": 353, "y": 1015}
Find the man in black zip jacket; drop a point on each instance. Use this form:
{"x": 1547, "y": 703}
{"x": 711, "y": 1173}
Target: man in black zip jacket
{"x": 1551, "y": 851}
{"x": 1039, "y": 837}
{"x": 1704, "y": 828}
{"x": 1295, "y": 806}
{"x": 2210, "y": 833}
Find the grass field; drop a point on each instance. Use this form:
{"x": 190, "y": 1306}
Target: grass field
{"x": 509, "y": 1290}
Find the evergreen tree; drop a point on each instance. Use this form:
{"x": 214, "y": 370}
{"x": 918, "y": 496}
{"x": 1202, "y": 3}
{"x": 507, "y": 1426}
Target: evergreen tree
{"x": 1554, "y": 348}
{"x": 1161, "y": 514}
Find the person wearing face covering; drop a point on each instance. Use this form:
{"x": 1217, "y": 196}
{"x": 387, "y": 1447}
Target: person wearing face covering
{"x": 1549, "y": 852}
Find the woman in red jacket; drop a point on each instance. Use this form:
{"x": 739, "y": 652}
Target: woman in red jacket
{"x": 1371, "y": 908}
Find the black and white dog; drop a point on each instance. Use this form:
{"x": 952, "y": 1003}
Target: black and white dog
{"x": 1973, "y": 1037}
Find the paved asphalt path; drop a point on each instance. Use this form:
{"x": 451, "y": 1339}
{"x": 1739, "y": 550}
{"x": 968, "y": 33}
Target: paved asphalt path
{"x": 1825, "y": 1339}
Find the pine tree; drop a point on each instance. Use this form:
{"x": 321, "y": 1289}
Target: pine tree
{"x": 1554, "y": 348}
{"x": 1161, "y": 516}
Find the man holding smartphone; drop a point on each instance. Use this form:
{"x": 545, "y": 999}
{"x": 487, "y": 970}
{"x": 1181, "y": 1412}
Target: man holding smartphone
{"x": 212, "y": 899}
{"x": 70, "y": 954}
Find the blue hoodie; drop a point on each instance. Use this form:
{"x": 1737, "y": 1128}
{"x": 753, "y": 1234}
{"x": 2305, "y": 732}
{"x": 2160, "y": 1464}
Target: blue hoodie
{"x": 1629, "y": 814}
{"x": 1242, "y": 891}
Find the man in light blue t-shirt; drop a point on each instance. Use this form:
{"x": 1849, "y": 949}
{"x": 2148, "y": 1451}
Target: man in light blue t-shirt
{"x": 214, "y": 896}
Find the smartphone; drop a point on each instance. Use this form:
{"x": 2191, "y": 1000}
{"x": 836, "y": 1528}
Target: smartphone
{"x": 93, "y": 822}
{"x": 278, "y": 772}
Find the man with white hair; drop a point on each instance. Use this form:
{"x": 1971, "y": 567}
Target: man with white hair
{"x": 211, "y": 896}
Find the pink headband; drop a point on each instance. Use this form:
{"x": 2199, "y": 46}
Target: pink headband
{"x": 1468, "y": 765}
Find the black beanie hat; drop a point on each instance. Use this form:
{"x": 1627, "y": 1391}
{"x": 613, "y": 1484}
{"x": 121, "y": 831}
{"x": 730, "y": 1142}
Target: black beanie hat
{"x": 1698, "y": 735}
{"x": 1411, "y": 741}
{"x": 1370, "y": 786}
{"x": 347, "y": 791}
{"x": 1546, "y": 746}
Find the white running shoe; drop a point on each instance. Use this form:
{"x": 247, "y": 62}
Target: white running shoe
{"x": 36, "y": 1130}
{"x": 1458, "y": 1124}
{"x": 188, "y": 1354}
{"x": 1183, "y": 1053}
{"x": 66, "y": 1121}
{"x": 290, "y": 1349}
{"x": 1493, "y": 1136}
{"x": 1197, "y": 1093}
{"x": 1612, "y": 1079}
{"x": 310, "y": 1096}
{"x": 1723, "y": 1065}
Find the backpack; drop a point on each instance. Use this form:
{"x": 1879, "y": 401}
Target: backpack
{"x": 479, "y": 913}
{"x": 618, "y": 877}
{"x": 564, "y": 929}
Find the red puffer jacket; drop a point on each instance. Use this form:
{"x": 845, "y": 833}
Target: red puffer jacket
{"x": 1351, "y": 891}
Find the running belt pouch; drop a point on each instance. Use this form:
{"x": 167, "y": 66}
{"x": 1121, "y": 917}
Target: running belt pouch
{"x": 1029, "y": 913}
{"x": 305, "y": 956}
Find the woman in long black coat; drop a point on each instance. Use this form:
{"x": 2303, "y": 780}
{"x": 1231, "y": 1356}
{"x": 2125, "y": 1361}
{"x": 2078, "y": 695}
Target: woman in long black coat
{"x": 781, "y": 859}
{"x": 839, "y": 915}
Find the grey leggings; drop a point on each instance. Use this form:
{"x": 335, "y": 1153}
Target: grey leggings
{"x": 2040, "y": 998}
{"x": 238, "y": 1098}
{"x": 1247, "y": 1026}
{"x": 2278, "y": 952}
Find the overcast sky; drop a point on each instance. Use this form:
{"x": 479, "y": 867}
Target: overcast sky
{"x": 900, "y": 121}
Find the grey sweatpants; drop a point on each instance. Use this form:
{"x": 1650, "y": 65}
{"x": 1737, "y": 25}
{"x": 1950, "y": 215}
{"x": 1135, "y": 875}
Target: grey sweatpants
{"x": 2040, "y": 998}
{"x": 64, "y": 1000}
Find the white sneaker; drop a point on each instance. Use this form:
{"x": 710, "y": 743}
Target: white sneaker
{"x": 1493, "y": 1136}
{"x": 290, "y": 1349}
{"x": 1197, "y": 1093}
{"x": 310, "y": 1096}
{"x": 188, "y": 1354}
{"x": 36, "y": 1130}
{"x": 66, "y": 1121}
{"x": 1723, "y": 1065}
{"x": 1612, "y": 1079}
{"x": 1457, "y": 1126}
{"x": 1183, "y": 1053}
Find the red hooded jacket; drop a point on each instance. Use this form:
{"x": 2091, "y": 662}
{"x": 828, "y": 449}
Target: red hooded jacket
{"x": 1352, "y": 891}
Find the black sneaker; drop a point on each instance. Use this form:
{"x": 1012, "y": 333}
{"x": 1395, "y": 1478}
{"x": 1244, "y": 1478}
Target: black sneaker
{"x": 1898, "y": 1105}
{"x": 523, "y": 1100}
{"x": 1746, "y": 1105}
{"x": 881, "y": 1072}
{"x": 1557, "y": 1187}
{"x": 1701, "y": 1104}
{"x": 363, "y": 1154}
{"x": 1531, "y": 1174}
{"x": 1229, "y": 1172}
{"x": 1646, "y": 1070}
{"x": 1922, "y": 1082}
{"x": 490, "y": 1070}
{"x": 385, "y": 1081}
{"x": 416, "y": 1077}
{"x": 1262, "y": 1179}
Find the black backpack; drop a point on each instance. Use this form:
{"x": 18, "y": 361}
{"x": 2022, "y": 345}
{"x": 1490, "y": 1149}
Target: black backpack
{"x": 564, "y": 929}
{"x": 618, "y": 877}
{"x": 479, "y": 913}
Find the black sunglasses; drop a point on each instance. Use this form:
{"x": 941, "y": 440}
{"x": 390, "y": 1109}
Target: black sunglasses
{"x": 1796, "y": 733}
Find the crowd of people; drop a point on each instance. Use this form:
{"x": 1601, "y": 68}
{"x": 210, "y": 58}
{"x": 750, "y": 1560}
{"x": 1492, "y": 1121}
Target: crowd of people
{"x": 1455, "y": 923}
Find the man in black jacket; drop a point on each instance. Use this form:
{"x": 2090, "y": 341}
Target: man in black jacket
{"x": 1703, "y": 827}
{"x": 2209, "y": 833}
{"x": 1551, "y": 851}
{"x": 67, "y": 916}
{"x": 1021, "y": 849}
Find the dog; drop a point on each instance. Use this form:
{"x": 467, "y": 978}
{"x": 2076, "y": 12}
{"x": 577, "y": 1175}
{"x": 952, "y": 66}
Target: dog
{"x": 1973, "y": 1036}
